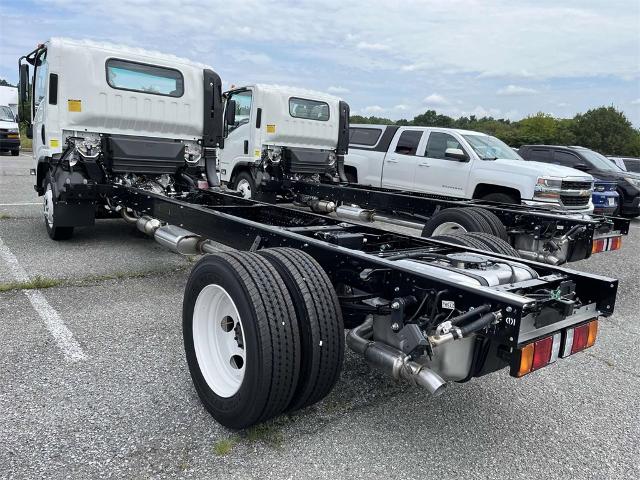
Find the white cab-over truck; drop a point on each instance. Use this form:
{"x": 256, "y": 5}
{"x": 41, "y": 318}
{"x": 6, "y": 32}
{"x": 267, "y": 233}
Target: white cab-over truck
{"x": 9, "y": 133}
{"x": 460, "y": 164}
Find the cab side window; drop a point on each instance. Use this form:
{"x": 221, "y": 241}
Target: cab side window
{"x": 408, "y": 142}
{"x": 566, "y": 159}
{"x": 40, "y": 86}
{"x": 539, "y": 155}
{"x": 438, "y": 144}
{"x": 243, "y": 108}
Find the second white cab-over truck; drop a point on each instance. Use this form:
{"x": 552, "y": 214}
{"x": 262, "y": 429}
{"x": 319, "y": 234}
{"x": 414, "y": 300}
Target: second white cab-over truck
{"x": 461, "y": 164}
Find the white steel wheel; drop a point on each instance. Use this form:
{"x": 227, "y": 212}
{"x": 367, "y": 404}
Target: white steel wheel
{"x": 219, "y": 341}
{"x": 448, "y": 228}
{"x": 47, "y": 202}
{"x": 244, "y": 187}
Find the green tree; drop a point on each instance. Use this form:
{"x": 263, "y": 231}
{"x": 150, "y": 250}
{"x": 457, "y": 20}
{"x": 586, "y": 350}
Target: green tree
{"x": 4, "y": 83}
{"x": 606, "y": 130}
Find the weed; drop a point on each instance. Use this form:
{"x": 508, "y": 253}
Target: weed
{"x": 223, "y": 447}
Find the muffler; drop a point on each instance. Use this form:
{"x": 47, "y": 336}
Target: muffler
{"x": 392, "y": 361}
{"x": 174, "y": 238}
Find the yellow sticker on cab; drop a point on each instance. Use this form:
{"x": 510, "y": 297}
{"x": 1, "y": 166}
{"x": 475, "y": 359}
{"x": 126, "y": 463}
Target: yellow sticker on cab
{"x": 74, "y": 105}
{"x": 54, "y": 143}
{"x": 271, "y": 129}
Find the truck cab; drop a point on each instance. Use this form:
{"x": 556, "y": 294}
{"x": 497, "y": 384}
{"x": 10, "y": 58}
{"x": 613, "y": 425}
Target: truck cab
{"x": 277, "y": 131}
{"x": 460, "y": 164}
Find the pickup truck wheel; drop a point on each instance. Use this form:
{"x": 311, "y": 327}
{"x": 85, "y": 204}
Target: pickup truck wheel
{"x": 54, "y": 232}
{"x": 241, "y": 338}
{"x": 501, "y": 198}
{"x": 497, "y": 227}
{"x": 455, "y": 220}
{"x": 246, "y": 185}
{"x": 319, "y": 322}
{"x": 15, "y": 153}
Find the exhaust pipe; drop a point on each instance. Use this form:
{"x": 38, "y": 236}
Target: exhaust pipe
{"x": 174, "y": 238}
{"x": 392, "y": 361}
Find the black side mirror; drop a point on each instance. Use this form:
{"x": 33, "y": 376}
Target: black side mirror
{"x": 24, "y": 83}
{"x": 29, "y": 131}
{"x": 583, "y": 167}
{"x": 230, "y": 113}
{"x": 456, "y": 154}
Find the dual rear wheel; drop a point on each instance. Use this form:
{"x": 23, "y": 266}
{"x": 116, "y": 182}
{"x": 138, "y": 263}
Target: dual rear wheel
{"x": 263, "y": 334}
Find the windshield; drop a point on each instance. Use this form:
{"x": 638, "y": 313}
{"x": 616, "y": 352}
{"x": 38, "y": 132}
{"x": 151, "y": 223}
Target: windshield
{"x": 6, "y": 114}
{"x": 599, "y": 161}
{"x": 490, "y": 148}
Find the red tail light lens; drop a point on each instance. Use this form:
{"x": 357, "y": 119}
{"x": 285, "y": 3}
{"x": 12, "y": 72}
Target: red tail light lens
{"x": 542, "y": 353}
{"x": 580, "y": 337}
{"x": 606, "y": 244}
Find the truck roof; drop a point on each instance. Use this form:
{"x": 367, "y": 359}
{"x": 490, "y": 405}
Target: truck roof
{"x": 61, "y": 42}
{"x": 457, "y": 130}
{"x": 293, "y": 91}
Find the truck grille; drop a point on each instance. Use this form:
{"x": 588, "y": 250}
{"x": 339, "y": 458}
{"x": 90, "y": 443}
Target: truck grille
{"x": 574, "y": 201}
{"x": 573, "y": 185}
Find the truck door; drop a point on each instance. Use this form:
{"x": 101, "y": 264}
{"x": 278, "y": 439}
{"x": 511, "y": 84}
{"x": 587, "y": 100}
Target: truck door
{"x": 398, "y": 169}
{"x": 439, "y": 173}
{"x": 238, "y": 145}
{"x": 40, "y": 80}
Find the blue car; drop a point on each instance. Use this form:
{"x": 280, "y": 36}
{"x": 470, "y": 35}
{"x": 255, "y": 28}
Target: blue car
{"x": 605, "y": 197}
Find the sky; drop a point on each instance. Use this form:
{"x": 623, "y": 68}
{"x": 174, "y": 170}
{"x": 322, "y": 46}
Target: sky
{"x": 396, "y": 59}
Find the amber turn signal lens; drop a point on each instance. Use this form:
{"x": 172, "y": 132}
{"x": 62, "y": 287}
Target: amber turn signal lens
{"x": 593, "y": 333}
{"x": 526, "y": 360}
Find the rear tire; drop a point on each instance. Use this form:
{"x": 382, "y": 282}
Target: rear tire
{"x": 268, "y": 340}
{"x": 319, "y": 322}
{"x": 463, "y": 240}
{"x": 55, "y": 232}
{"x": 497, "y": 227}
{"x": 495, "y": 244}
{"x": 455, "y": 220}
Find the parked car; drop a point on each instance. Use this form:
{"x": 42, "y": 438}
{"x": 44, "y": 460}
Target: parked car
{"x": 605, "y": 197}
{"x": 628, "y": 183}
{"x": 9, "y": 133}
{"x": 628, "y": 164}
{"x": 460, "y": 164}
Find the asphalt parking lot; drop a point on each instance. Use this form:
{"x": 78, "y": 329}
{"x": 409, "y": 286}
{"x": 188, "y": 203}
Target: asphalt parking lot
{"x": 94, "y": 383}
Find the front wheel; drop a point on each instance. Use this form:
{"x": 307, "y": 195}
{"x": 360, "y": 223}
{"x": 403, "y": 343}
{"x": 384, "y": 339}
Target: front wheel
{"x": 53, "y": 230}
{"x": 15, "y": 153}
{"x": 246, "y": 185}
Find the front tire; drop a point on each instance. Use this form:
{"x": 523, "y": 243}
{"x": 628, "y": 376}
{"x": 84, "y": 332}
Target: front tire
{"x": 241, "y": 338}
{"x": 15, "y": 153}
{"x": 53, "y": 230}
{"x": 246, "y": 185}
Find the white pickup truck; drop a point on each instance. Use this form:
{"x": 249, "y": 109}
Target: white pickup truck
{"x": 461, "y": 164}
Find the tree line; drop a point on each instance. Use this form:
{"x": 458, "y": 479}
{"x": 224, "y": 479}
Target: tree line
{"x": 604, "y": 129}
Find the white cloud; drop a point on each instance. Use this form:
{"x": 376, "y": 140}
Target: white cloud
{"x": 373, "y": 109}
{"x": 252, "y": 57}
{"x": 338, "y": 89}
{"x": 516, "y": 90}
{"x": 401, "y": 107}
{"x": 635, "y": 102}
{"x": 435, "y": 100}
{"x": 374, "y": 47}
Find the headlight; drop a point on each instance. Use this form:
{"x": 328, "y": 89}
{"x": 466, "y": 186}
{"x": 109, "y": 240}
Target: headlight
{"x": 633, "y": 181}
{"x": 547, "y": 189}
{"x": 332, "y": 158}
{"x": 12, "y": 130}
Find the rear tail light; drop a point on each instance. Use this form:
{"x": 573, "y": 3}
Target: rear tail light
{"x": 578, "y": 338}
{"x": 538, "y": 354}
{"x": 541, "y": 353}
{"x": 606, "y": 244}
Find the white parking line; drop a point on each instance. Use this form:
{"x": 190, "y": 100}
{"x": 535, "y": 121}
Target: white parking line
{"x": 19, "y": 204}
{"x": 52, "y": 320}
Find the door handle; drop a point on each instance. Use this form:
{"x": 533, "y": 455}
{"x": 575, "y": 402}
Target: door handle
{"x": 391, "y": 160}
{"x": 424, "y": 165}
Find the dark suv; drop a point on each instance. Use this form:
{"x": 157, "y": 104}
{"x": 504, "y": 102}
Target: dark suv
{"x": 580, "y": 158}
